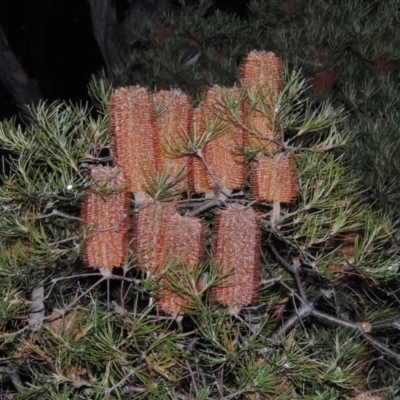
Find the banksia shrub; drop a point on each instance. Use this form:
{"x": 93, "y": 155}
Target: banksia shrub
{"x": 182, "y": 243}
{"x": 236, "y": 252}
{"x": 274, "y": 179}
{"x": 133, "y": 131}
{"x": 261, "y": 73}
{"x": 105, "y": 211}
{"x": 313, "y": 318}
{"x": 173, "y": 121}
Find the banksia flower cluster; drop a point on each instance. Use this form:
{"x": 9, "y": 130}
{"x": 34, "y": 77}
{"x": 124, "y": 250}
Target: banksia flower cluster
{"x": 151, "y": 137}
{"x": 262, "y": 73}
{"x": 106, "y": 211}
{"x": 132, "y": 127}
{"x": 236, "y": 249}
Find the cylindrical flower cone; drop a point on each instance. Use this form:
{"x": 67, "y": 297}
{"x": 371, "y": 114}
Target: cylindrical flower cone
{"x": 175, "y": 118}
{"x": 146, "y": 232}
{"x": 221, "y": 154}
{"x": 274, "y": 179}
{"x": 108, "y": 216}
{"x": 132, "y": 127}
{"x": 182, "y": 240}
{"x": 197, "y": 172}
{"x": 262, "y": 68}
{"x": 236, "y": 249}
{"x": 262, "y": 72}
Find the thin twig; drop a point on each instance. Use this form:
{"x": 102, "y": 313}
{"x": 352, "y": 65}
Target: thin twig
{"x": 84, "y": 293}
{"x": 55, "y": 213}
{"x": 304, "y": 311}
{"x": 385, "y": 325}
{"x": 270, "y": 280}
{"x": 196, "y": 390}
{"x": 121, "y": 382}
{"x": 359, "y": 327}
{"x": 294, "y": 269}
{"x": 55, "y": 280}
{"x": 203, "y": 207}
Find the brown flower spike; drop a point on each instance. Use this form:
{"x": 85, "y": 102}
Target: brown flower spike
{"x": 106, "y": 211}
{"x": 236, "y": 249}
{"x": 147, "y": 225}
{"x": 274, "y": 179}
{"x": 262, "y": 73}
{"x": 132, "y": 127}
{"x": 227, "y": 167}
{"x": 182, "y": 240}
{"x": 220, "y": 153}
{"x": 173, "y": 121}
{"x": 160, "y": 236}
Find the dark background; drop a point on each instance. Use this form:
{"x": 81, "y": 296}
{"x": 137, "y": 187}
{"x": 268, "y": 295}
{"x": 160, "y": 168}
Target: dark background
{"x": 53, "y": 41}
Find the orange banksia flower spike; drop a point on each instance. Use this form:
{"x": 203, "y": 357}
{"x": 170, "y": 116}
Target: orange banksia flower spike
{"x": 106, "y": 210}
{"x": 173, "y": 118}
{"x": 262, "y": 68}
{"x": 236, "y": 249}
{"x": 274, "y": 179}
{"x": 147, "y": 225}
{"x": 262, "y": 73}
{"x": 132, "y": 127}
{"x": 182, "y": 240}
{"x": 221, "y": 153}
